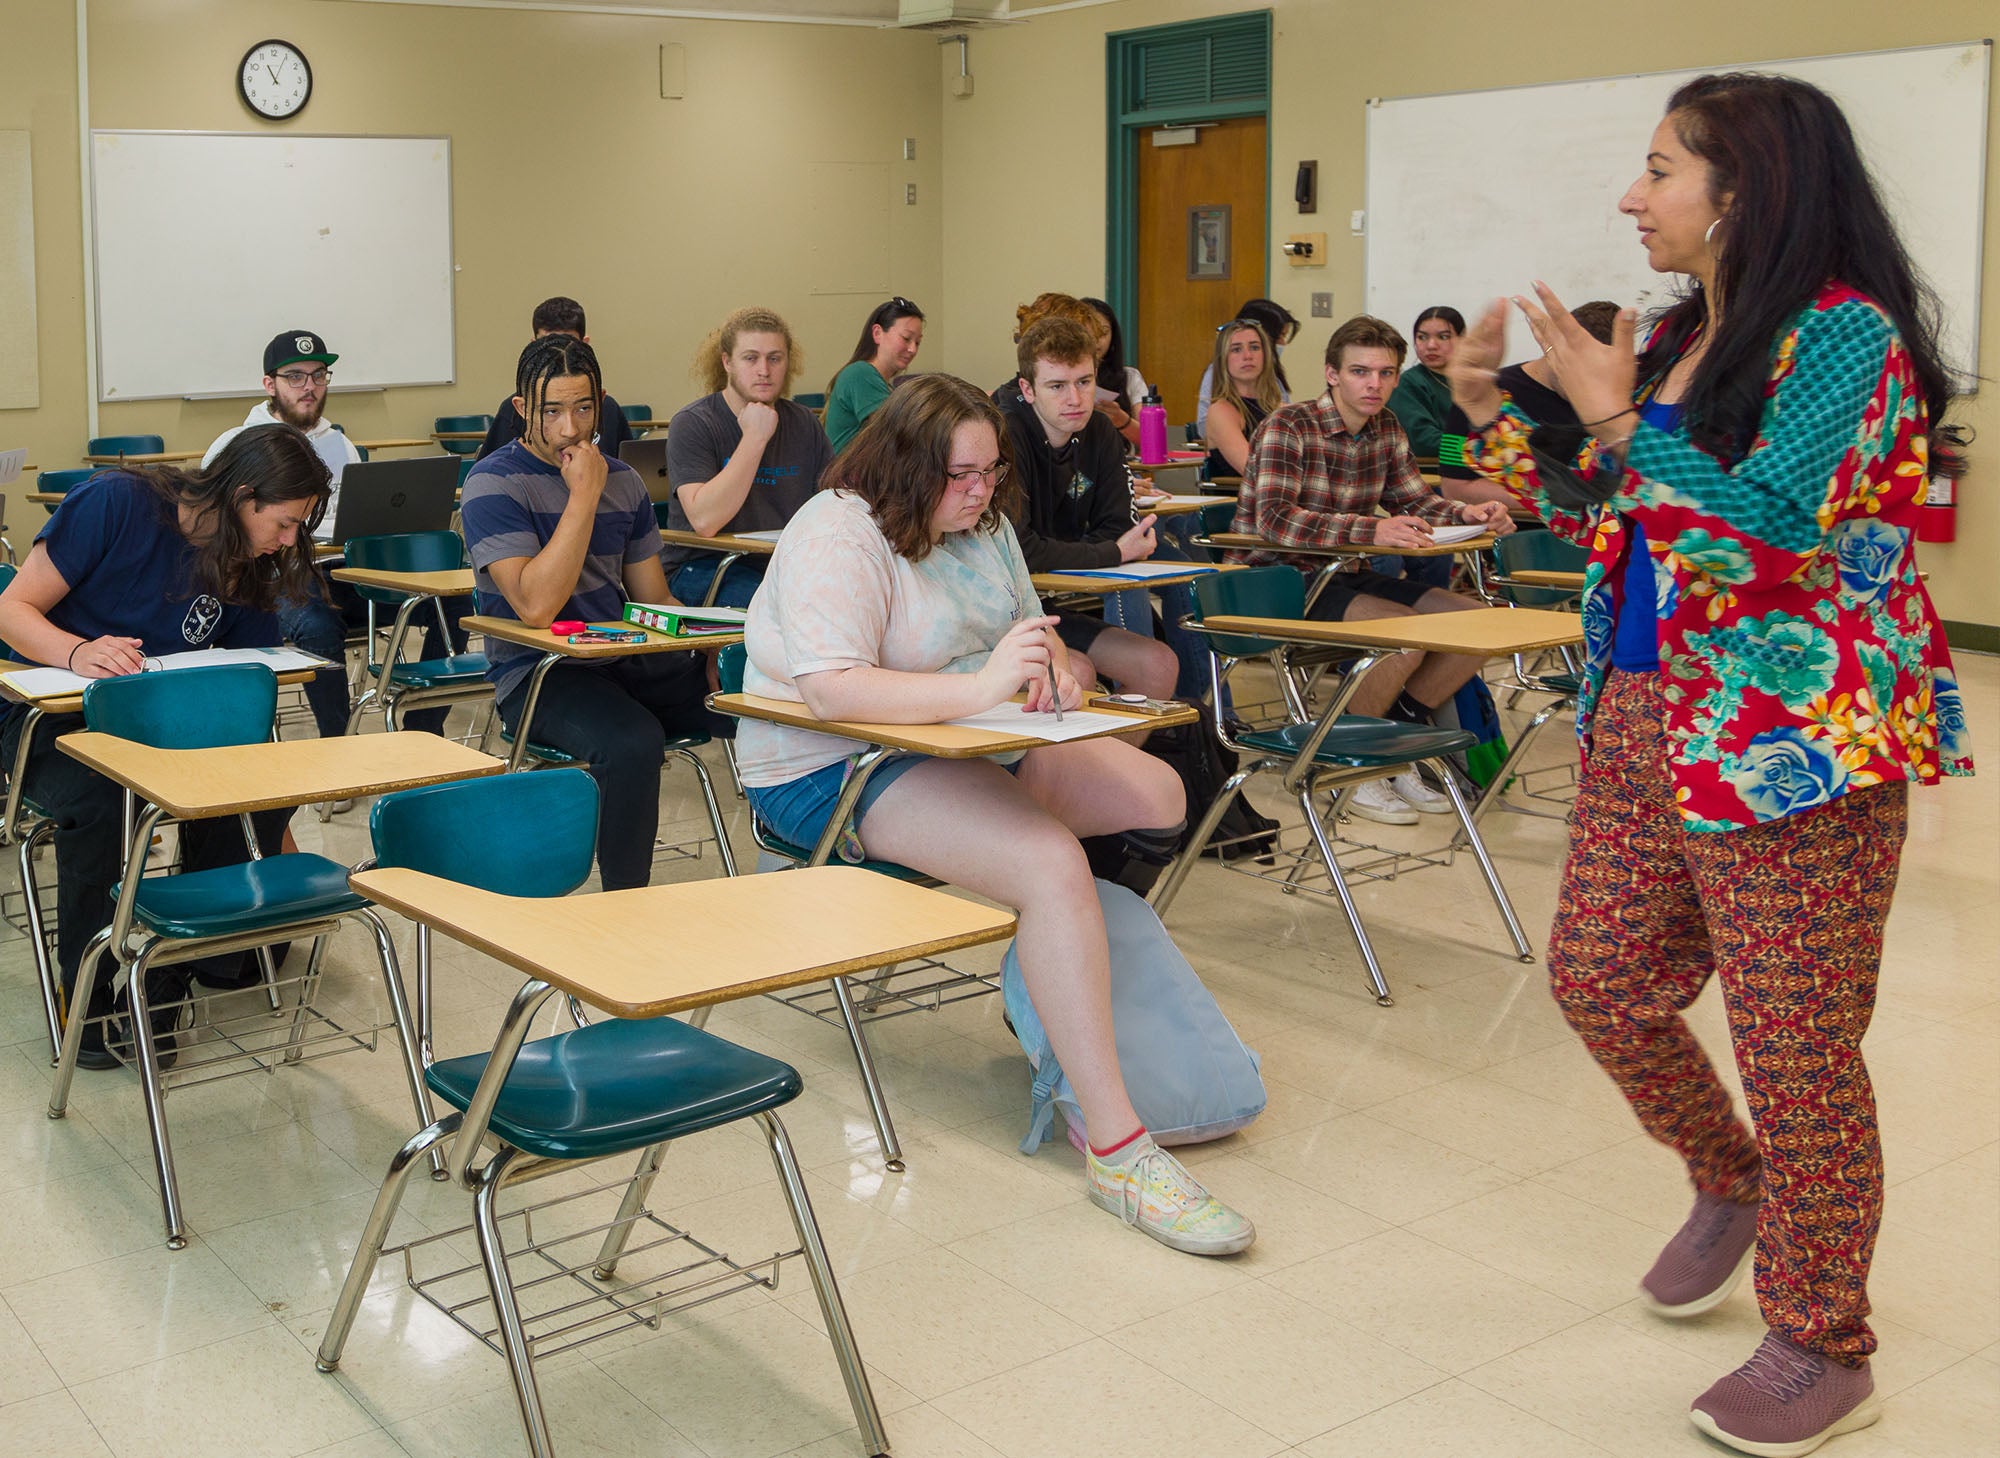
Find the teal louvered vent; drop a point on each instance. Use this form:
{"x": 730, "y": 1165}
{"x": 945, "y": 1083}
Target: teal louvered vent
{"x": 1228, "y": 60}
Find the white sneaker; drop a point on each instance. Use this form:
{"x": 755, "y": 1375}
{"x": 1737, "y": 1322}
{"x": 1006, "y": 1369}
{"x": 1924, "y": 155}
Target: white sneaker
{"x": 1152, "y": 1191}
{"x": 1410, "y": 785}
{"x": 1378, "y": 800}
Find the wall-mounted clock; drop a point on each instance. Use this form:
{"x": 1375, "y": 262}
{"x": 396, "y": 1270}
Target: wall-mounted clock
{"x": 274, "y": 79}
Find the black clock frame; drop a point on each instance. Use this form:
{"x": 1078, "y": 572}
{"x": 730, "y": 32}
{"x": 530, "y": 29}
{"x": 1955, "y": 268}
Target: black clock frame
{"x": 244, "y": 96}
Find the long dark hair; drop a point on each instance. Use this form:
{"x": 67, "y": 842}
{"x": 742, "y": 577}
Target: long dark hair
{"x": 1803, "y": 212}
{"x": 1111, "y": 369}
{"x": 264, "y": 466}
{"x": 883, "y": 316}
{"x": 897, "y": 462}
{"x": 551, "y": 358}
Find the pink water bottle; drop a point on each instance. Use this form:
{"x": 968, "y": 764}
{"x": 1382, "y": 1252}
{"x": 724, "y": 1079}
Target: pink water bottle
{"x": 1152, "y": 431}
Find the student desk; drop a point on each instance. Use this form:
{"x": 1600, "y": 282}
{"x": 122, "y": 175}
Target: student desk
{"x": 1533, "y": 577}
{"x": 1078, "y": 584}
{"x": 554, "y": 650}
{"x": 199, "y": 784}
{"x": 731, "y": 548}
{"x": 409, "y": 443}
{"x": 445, "y": 435}
{"x": 645, "y": 425}
{"x": 1181, "y": 505}
{"x": 145, "y": 458}
{"x": 881, "y": 742}
{"x": 1334, "y": 554}
{"x": 455, "y": 582}
{"x": 46, "y": 498}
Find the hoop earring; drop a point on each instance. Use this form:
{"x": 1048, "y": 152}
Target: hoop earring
{"x": 1708, "y": 238}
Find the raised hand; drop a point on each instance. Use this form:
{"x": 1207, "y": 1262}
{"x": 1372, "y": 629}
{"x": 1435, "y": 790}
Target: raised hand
{"x": 1596, "y": 378}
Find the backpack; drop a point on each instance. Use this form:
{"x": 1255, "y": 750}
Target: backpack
{"x": 1203, "y": 763}
{"x": 1190, "y": 1077}
{"x": 1473, "y": 710}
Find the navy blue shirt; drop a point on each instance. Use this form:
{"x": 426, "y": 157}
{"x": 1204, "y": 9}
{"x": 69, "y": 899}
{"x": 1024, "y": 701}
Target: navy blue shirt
{"x": 512, "y": 504}
{"x": 1635, "y": 639}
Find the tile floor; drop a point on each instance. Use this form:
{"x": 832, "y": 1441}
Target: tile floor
{"x": 1453, "y": 1207}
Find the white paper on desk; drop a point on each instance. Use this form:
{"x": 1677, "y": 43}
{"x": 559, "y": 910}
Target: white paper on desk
{"x": 1446, "y": 536}
{"x": 47, "y": 683}
{"x": 1076, "y": 723}
{"x": 770, "y": 534}
{"x": 1139, "y": 571}
{"x": 11, "y": 463}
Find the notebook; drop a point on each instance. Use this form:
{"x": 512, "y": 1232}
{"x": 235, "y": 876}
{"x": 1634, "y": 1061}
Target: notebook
{"x": 378, "y": 498}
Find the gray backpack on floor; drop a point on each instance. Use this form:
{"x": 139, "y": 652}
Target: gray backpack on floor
{"x": 1189, "y": 1075}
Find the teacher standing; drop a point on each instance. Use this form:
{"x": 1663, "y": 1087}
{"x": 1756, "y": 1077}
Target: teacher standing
{"x": 1766, "y": 678}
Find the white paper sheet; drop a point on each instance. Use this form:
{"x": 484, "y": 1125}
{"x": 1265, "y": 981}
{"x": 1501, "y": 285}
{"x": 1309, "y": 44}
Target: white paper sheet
{"x": 48, "y": 683}
{"x": 1140, "y": 571}
{"x": 770, "y": 534}
{"x": 1445, "y": 536}
{"x": 1076, "y": 723}
{"x": 11, "y": 463}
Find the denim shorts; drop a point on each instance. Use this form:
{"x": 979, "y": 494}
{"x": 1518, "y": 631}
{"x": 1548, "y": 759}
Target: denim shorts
{"x": 798, "y": 810}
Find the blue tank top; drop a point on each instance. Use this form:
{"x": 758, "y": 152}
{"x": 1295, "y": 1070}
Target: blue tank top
{"x": 1635, "y": 640}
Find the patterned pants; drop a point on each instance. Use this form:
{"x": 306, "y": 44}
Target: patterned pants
{"x": 1789, "y": 914}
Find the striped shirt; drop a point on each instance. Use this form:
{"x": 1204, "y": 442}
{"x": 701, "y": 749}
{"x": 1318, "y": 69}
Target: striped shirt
{"x": 513, "y": 501}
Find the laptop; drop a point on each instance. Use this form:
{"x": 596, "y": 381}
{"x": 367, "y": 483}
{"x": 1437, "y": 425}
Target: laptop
{"x": 378, "y": 498}
{"x": 649, "y": 459}
{"x": 1177, "y": 478}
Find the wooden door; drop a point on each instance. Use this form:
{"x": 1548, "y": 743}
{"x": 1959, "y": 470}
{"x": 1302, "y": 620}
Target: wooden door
{"x": 1224, "y": 167}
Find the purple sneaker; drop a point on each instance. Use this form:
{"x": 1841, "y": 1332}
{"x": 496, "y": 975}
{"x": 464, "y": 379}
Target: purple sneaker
{"x": 1785, "y": 1401}
{"x": 1705, "y": 1260}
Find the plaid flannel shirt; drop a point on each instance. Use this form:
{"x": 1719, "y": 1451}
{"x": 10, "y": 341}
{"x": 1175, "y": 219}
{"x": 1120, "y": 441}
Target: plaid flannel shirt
{"x": 1311, "y": 482}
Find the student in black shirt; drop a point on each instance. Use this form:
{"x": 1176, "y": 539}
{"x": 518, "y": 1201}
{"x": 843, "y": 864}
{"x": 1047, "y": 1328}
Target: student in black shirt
{"x": 557, "y": 316}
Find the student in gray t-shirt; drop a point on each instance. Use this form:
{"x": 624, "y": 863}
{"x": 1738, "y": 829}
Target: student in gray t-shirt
{"x": 742, "y": 458}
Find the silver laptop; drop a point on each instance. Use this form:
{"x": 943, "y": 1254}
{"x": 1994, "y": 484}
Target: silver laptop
{"x": 649, "y": 459}
{"x": 1177, "y": 478}
{"x": 378, "y": 498}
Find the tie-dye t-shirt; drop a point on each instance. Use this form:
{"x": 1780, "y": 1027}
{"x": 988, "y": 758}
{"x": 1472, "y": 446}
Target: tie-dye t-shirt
{"x": 837, "y": 595}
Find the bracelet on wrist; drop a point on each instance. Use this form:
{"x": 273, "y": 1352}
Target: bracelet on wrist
{"x": 1587, "y": 424}
{"x": 72, "y": 653}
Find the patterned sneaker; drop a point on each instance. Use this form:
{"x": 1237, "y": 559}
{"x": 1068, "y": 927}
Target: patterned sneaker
{"x": 1377, "y": 800}
{"x": 1785, "y": 1401}
{"x": 1410, "y": 785}
{"x": 1148, "y": 1188}
{"x": 1705, "y": 1260}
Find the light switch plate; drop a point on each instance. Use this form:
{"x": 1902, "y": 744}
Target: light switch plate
{"x": 1322, "y": 306}
{"x": 909, "y": 194}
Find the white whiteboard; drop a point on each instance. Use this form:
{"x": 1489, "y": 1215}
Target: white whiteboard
{"x": 1476, "y": 195}
{"x": 210, "y": 243}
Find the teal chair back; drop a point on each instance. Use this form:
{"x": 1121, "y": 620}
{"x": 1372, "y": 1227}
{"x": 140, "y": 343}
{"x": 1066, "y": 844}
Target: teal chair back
{"x": 1539, "y": 551}
{"x": 1210, "y": 520}
{"x": 447, "y": 424}
{"x": 729, "y": 668}
{"x": 811, "y": 402}
{"x": 1255, "y": 592}
{"x": 635, "y": 413}
{"x": 442, "y": 551}
{"x": 61, "y": 482}
{"x": 186, "y": 708}
{"x": 514, "y": 835}
{"x": 124, "y": 445}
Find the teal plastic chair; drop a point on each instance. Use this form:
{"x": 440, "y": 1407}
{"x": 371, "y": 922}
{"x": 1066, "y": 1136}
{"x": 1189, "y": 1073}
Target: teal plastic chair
{"x": 814, "y": 401}
{"x": 396, "y": 687}
{"x": 1537, "y": 551}
{"x": 449, "y": 424}
{"x": 611, "y": 1088}
{"x": 175, "y": 918}
{"x": 124, "y": 445}
{"x": 61, "y": 483}
{"x": 1313, "y": 755}
{"x": 633, "y": 415}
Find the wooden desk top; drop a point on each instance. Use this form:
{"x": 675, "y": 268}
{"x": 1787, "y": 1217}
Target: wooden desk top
{"x": 198, "y": 783}
{"x": 46, "y": 498}
{"x": 1182, "y": 505}
{"x": 723, "y": 542}
{"x": 645, "y": 425}
{"x": 1048, "y": 582}
{"x": 457, "y": 582}
{"x": 1243, "y": 542}
{"x": 1489, "y": 632}
{"x": 408, "y": 443}
{"x": 145, "y": 458}
{"x": 944, "y": 741}
{"x": 655, "y": 950}
{"x": 458, "y": 435}
{"x": 1532, "y": 577}
{"x": 510, "y": 631}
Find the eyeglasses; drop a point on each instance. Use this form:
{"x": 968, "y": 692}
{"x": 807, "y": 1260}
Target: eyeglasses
{"x": 994, "y": 475}
{"x": 297, "y": 379}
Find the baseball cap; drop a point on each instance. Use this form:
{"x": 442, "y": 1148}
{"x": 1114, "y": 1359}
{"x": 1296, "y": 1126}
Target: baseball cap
{"x": 294, "y": 346}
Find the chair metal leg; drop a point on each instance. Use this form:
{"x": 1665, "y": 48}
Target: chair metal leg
{"x": 871, "y": 1082}
{"x": 493, "y": 1255}
{"x": 295, "y": 1038}
{"x": 636, "y": 1191}
{"x": 874, "y": 1437}
{"x": 361, "y": 1269}
{"x": 45, "y": 968}
{"x": 714, "y": 809}
{"x": 735, "y": 776}
{"x": 1170, "y": 884}
{"x": 155, "y": 1097}
{"x": 416, "y": 1053}
{"x": 1340, "y": 889}
{"x": 1478, "y": 847}
{"x": 72, "y": 1039}
{"x": 1496, "y": 786}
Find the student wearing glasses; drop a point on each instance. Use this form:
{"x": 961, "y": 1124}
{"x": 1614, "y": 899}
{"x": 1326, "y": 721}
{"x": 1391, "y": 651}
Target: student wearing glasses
{"x": 135, "y": 564}
{"x": 901, "y": 596}
{"x": 891, "y": 335}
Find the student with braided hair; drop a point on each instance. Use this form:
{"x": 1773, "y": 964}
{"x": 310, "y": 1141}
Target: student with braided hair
{"x": 558, "y": 531}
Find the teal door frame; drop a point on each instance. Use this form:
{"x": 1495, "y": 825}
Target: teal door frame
{"x": 1127, "y": 121}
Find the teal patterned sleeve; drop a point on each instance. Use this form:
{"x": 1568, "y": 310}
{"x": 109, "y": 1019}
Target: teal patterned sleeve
{"x": 1770, "y": 504}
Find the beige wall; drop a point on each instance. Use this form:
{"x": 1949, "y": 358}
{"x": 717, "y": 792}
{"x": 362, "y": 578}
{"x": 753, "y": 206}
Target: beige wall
{"x": 1328, "y": 58}
{"x": 570, "y": 175}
